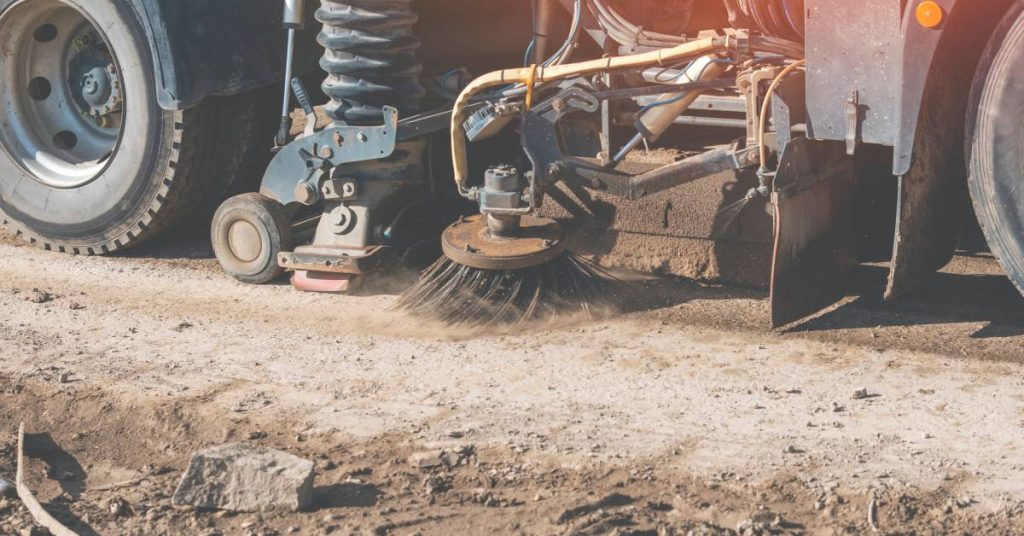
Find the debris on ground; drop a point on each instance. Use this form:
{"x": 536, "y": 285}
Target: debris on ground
{"x": 40, "y": 296}
{"x": 765, "y": 523}
{"x": 427, "y": 459}
{"x": 246, "y": 478}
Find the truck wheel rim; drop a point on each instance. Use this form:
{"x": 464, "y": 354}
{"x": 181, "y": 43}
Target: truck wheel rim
{"x": 60, "y": 93}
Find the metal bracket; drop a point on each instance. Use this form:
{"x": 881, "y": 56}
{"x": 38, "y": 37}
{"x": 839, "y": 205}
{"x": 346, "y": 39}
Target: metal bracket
{"x": 301, "y": 160}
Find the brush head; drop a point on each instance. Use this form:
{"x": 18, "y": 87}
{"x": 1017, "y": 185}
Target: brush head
{"x": 459, "y": 294}
{"x": 525, "y": 242}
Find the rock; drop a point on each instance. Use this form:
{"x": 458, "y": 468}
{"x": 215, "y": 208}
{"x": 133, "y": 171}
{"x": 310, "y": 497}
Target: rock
{"x": 246, "y": 478}
{"x": 433, "y": 485}
{"x": 860, "y": 394}
{"x": 64, "y": 377}
{"x": 8, "y": 489}
{"x": 40, "y": 296}
{"x": 427, "y": 459}
{"x": 117, "y": 507}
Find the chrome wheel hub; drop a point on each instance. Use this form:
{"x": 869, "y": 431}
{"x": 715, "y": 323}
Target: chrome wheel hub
{"x": 60, "y": 93}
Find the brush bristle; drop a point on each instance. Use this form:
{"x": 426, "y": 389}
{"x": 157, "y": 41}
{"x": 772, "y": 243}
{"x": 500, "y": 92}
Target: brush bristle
{"x": 459, "y": 294}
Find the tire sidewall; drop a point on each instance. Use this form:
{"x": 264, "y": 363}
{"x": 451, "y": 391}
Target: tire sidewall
{"x": 113, "y": 204}
{"x": 995, "y": 143}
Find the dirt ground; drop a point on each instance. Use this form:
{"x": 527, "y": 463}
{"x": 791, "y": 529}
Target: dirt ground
{"x": 680, "y": 414}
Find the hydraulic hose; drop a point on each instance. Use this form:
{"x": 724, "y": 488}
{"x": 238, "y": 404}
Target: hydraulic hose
{"x": 625, "y": 32}
{"x": 540, "y": 74}
{"x": 763, "y": 120}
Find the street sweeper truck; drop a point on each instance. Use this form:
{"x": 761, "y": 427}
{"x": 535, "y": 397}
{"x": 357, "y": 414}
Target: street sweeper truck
{"x": 513, "y": 151}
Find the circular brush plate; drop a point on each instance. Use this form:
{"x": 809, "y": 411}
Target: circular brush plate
{"x": 468, "y": 242}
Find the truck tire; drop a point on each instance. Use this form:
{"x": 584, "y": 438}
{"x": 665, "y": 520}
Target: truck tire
{"x": 89, "y": 163}
{"x": 995, "y": 144}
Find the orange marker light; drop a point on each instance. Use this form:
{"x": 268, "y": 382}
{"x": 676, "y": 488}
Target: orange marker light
{"x": 929, "y": 14}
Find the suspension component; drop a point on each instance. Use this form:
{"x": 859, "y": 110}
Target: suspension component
{"x": 294, "y": 19}
{"x": 370, "y": 59}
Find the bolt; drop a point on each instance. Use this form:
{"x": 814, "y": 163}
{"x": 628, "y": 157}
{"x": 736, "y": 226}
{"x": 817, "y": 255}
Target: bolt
{"x": 326, "y": 152}
{"x": 555, "y": 170}
{"x": 558, "y": 105}
{"x": 339, "y": 140}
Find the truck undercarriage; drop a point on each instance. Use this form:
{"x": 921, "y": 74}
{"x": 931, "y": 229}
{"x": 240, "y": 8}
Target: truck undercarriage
{"x": 767, "y": 143}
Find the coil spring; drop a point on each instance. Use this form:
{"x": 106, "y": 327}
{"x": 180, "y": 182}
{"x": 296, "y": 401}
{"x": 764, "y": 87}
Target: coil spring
{"x": 370, "y": 59}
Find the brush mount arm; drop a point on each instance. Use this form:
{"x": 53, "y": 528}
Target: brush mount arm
{"x": 540, "y": 139}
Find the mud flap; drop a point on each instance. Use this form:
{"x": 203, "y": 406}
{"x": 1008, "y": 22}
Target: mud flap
{"x": 815, "y": 242}
{"x": 933, "y": 197}
{"x": 927, "y": 226}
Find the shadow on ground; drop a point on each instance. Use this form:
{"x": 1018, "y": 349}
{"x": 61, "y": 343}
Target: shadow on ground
{"x": 67, "y": 472}
{"x": 945, "y": 298}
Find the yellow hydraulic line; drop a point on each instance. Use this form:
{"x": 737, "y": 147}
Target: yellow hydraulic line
{"x": 541, "y": 74}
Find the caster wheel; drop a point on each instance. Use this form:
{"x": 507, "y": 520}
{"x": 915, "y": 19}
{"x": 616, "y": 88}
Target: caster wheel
{"x": 248, "y": 232}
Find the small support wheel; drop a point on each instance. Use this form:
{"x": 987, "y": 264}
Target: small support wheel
{"x": 248, "y": 232}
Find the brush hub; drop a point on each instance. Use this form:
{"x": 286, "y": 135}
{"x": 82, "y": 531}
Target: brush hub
{"x": 471, "y": 242}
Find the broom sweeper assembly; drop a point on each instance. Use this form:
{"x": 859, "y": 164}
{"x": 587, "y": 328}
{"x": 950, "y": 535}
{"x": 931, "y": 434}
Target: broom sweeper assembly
{"x": 513, "y": 151}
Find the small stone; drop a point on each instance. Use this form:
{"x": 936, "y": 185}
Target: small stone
{"x": 836, "y": 408}
{"x": 964, "y": 501}
{"x": 40, "y": 296}
{"x": 860, "y": 394}
{"x": 435, "y": 484}
{"x": 64, "y": 377}
{"x": 427, "y": 459}
{"x": 246, "y": 478}
{"x": 117, "y": 507}
{"x": 790, "y": 449}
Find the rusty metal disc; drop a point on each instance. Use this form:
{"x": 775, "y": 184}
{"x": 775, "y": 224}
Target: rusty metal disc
{"x": 468, "y": 242}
